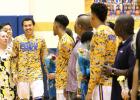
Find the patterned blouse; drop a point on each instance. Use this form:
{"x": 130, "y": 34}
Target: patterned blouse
{"x": 83, "y": 63}
{"x": 6, "y": 83}
{"x": 102, "y": 53}
{"x": 28, "y": 56}
{"x": 65, "y": 47}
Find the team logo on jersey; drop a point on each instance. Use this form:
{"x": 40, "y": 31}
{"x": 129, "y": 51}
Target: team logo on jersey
{"x": 28, "y": 46}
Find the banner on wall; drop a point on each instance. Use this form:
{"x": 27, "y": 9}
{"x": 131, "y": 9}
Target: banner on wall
{"x": 117, "y": 8}
{"x": 87, "y": 5}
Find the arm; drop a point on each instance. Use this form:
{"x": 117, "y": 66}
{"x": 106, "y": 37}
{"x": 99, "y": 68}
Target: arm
{"x": 123, "y": 72}
{"x": 135, "y": 81}
{"x": 97, "y": 58}
{"x": 131, "y": 63}
{"x": 114, "y": 71}
{"x": 119, "y": 72}
{"x": 14, "y": 56}
{"x": 67, "y": 46}
{"x": 14, "y": 59}
{"x": 64, "y": 50}
{"x": 43, "y": 52}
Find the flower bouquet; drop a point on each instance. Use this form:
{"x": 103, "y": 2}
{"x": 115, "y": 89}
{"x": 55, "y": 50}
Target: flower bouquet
{"x": 123, "y": 83}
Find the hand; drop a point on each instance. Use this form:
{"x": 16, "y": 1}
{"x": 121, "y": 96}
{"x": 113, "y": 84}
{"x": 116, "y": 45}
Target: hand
{"x": 51, "y": 76}
{"x": 15, "y": 78}
{"x": 79, "y": 92}
{"x": 89, "y": 96}
{"x": 125, "y": 94}
{"x": 79, "y": 97}
{"x": 107, "y": 70}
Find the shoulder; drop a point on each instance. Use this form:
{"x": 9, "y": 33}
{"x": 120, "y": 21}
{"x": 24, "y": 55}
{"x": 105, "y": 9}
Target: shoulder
{"x": 18, "y": 38}
{"x": 39, "y": 39}
{"x": 110, "y": 34}
{"x": 66, "y": 39}
{"x": 105, "y": 30}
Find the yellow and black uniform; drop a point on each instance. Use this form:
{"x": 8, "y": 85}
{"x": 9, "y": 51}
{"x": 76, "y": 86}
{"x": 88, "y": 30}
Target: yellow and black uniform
{"x": 102, "y": 52}
{"x": 6, "y": 83}
{"x": 27, "y": 57}
{"x": 65, "y": 47}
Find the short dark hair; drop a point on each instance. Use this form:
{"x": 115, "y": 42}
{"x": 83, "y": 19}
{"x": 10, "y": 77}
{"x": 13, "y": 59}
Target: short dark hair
{"x": 100, "y": 10}
{"x": 4, "y": 24}
{"x": 62, "y": 19}
{"x": 1, "y": 27}
{"x": 28, "y": 19}
{"x": 124, "y": 25}
{"x": 87, "y": 36}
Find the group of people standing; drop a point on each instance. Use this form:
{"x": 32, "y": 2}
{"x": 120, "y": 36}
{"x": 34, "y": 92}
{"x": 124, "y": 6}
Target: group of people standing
{"x": 99, "y": 65}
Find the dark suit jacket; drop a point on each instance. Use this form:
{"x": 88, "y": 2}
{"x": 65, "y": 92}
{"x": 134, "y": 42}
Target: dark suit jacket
{"x": 125, "y": 59}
